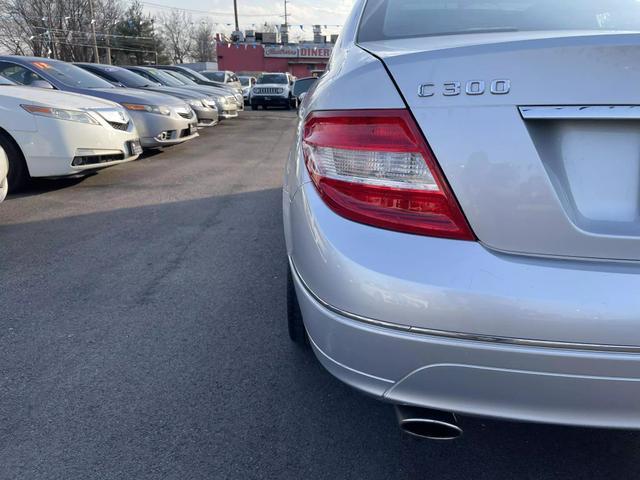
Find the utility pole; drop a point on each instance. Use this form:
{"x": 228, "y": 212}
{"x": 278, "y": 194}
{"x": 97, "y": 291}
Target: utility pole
{"x": 108, "y": 54}
{"x": 286, "y": 15}
{"x": 93, "y": 31}
{"x": 235, "y": 12}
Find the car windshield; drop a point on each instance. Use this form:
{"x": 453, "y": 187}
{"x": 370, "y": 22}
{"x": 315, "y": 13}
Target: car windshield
{"x": 303, "y": 85}
{"x": 164, "y": 77}
{"x": 245, "y": 81}
{"x": 273, "y": 78}
{"x": 179, "y": 77}
{"x": 127, "y": 77}
{"x": 192, "y": 74}
{"x": 70, "y": 75}
{"x": 390, "y": 19}
{"x": 216, "y": 76}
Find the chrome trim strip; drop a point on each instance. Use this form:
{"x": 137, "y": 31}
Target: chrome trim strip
{"x": 577, "y": 112}
{"x": 474, "y": 337}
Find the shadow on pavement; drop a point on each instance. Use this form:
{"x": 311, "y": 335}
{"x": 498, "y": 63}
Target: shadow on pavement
{"x": 151, "y": 343}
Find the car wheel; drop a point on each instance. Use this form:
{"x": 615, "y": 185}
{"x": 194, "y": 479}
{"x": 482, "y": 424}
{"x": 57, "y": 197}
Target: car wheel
{"x": 18, "y": 172}
{"x": 297, "y": 332}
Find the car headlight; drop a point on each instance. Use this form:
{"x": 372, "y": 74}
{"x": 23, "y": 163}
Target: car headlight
{"x": 61, "y": 114}
{"x": 196, "y": 103}
{"x": 113, "y": 115}
{"x": 159, "y": 109}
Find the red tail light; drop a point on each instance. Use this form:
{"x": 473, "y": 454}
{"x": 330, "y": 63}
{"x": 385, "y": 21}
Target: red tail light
{"x": 374, "y": 167}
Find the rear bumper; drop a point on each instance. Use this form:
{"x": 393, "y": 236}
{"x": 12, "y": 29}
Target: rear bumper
{"x": 450, "y": 325}
{"x": 568, "y": 387}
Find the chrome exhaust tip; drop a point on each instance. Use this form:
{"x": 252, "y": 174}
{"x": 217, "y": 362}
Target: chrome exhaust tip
{"x": 427, "y": 423}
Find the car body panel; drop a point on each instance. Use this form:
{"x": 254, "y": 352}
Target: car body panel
{"x": 549, "y": 194}
{"x": 49, "y": 145}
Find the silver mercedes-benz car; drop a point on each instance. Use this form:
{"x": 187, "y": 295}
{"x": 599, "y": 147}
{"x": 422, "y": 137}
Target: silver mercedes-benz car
{"x": 462, "y": 211}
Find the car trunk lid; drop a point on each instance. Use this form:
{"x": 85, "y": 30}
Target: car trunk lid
{"x": 537, "y": 133}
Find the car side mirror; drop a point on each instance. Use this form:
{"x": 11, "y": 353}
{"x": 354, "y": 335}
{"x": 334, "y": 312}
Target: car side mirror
{"x": 41, "y": 84}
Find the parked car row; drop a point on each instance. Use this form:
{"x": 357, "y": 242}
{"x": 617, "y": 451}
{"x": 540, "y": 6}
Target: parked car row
{"x": 266, "y": 90}
{"x": 61, "y": 119}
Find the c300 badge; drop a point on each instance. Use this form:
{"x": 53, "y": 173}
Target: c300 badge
{"x": 499, "y": 86}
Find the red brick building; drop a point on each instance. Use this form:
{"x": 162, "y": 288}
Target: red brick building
{"x": 299, "y": 60}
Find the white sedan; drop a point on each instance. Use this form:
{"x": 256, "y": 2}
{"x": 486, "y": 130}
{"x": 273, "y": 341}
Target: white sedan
{"x": 47, "y": 133}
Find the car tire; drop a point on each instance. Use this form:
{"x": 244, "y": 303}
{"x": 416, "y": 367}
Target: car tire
{"x": 297, "y": 331}
{"x": 18, "y": 177}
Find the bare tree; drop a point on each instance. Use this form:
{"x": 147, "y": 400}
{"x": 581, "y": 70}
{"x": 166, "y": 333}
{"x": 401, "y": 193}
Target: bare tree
{"x": 177, "y": 30}
{"x": 204, "y": 46}
{"x": 56, "y": 28}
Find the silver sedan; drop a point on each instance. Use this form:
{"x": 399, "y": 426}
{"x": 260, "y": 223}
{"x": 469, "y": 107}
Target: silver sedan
{"x": 461, "y": 212}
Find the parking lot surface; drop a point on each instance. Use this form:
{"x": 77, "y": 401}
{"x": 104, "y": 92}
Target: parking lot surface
{"x": 143, "y": 336}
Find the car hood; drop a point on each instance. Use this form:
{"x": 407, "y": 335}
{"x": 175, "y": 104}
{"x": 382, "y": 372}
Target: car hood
{"x": 133, "y": 95}
{"x": 54, "y": 98}
{"x": 175, "y": 92}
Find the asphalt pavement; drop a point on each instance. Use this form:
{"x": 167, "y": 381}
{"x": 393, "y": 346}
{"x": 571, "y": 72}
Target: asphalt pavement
{"x": 143, "y": 336}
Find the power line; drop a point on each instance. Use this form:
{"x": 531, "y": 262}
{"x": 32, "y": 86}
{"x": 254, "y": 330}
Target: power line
{"x": 82, "y": 32}
{"x": 208, "y": 12}
{"x": 88, "y": 45}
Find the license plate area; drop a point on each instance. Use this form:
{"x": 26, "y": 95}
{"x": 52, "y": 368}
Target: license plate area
{"x": 595, "y": 167}
{"x": 134, "y": 147}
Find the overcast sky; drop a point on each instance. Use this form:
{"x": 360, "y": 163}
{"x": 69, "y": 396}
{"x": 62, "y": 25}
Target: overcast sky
{"x": 257, "y": 12}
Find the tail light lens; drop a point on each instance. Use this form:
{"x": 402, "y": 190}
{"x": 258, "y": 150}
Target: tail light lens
{"x": 374, "y": 167}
